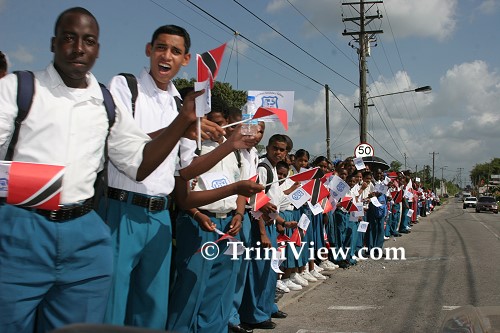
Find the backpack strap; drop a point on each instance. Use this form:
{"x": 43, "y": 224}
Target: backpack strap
{"x": 109, "y": 104}
{"x": 270, "y": 177}
{"x": 237, "y": 153}
{"x": 25, "y": 93}
{"x": 178, "y": 102}
{"x": 132, "y": 85}
{"x": 101, "y": 182}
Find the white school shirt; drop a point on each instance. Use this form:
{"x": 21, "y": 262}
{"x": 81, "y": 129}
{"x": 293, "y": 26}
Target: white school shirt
{"x": 68, "y": 126}
{"x": 285, "y": 203}
{"x": 274, "y": 193}
{"x": 249, "y": 162}
{"x": 154, "y": 110}
{"x": 228, "y": 167}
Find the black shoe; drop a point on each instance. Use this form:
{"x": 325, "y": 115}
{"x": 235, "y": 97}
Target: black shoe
{"x": 397, "y": 235}
{"x": 239, "y": 329}
{"x": 265, "y": 325}
{"x": 279, "y": 314}
{"x": 344, "y": 264}
{"x": 404, "y": 231}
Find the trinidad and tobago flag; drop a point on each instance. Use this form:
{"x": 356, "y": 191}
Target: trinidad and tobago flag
{"x": 35, "y": 185}
{"x": 209, "y": 64}
{"x": 348, "y": 204}
{"x": 297, "y": 235}
{"x": 259, "y": 199}
{"x": 326, "y": 205}
{"x": 397, "y": 196}
{"x": 316, "y": 190}
{"x": 307, "y": 175}
{"x": 392, "y": 174}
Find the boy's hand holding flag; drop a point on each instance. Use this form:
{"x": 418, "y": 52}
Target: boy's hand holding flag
{"x": 208, "y": 65}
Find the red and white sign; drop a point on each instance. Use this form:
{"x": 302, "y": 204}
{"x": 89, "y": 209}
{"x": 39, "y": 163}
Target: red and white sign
{"x": 363, "y": 150}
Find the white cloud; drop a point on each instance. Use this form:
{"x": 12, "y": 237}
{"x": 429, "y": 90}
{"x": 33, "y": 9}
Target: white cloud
{"x": 488, "y": 7}
{"x": 22, "y": 55}
{"x": 275, "y": 5}
{"x": 459, "y": 120}
{"x": 423, "y": 18}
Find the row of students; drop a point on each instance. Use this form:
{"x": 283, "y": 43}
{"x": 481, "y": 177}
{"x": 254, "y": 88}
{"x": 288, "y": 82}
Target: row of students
{"x": 120, "y": 273}
{"x": 84, "y": 271}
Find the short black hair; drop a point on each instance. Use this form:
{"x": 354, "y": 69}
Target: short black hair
{"x": 218, "y": 105}
{"x": 172, "y": 29}
{"x": 320, "y": 159}
{"x": 301, "y": 153}
{"x": 232, "y": 111}
{"x": 289, "y": 143}
{"x": 282, "y": 164}
{"x": 3, "y": 62}
{"x": 277, "y": 138}
{"x": 79, "y": 10}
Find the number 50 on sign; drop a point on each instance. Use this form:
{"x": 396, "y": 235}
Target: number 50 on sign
{"x": 363, "y": 149}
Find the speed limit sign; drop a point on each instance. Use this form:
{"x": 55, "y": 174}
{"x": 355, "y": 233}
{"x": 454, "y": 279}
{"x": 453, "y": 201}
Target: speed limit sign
{"x": 363, "y": 149}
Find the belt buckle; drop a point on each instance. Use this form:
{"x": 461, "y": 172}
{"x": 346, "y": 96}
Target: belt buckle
{"x": 220, "y": 215}
{"x": 151, "y": 203}
{"x": 53, "y": 215}
{"x": 123, "y": 195}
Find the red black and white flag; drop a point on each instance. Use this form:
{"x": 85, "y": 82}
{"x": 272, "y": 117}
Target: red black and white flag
{"x": 392, "y": 174}
{"x": 258, "y": 200}
{"x": 209, "y": 64}
{"x": 297, "y": 235}
{"x": 397, "y": 196}
{"x": 313, "y": 173}
{"x": 348, "y": 204}
{"x": 35, "y": 185}
{"x": 326, "y": 205}
{"x": 316, "y": 190}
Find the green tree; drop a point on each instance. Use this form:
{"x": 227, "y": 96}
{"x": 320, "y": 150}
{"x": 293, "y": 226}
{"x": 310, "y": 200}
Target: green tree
{"x": 395, "y": 166}
{"x": 232, "y": 97}
{"x": 481, "y": 172}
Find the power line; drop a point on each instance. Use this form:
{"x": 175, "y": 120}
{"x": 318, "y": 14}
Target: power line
{"x": 255, "y": 44}
{"x": 294, "y": 44}
{"x": 328, "y": 39}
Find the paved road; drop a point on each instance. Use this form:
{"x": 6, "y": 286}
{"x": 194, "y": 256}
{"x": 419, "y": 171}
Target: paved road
{"x": 452, "y": 261}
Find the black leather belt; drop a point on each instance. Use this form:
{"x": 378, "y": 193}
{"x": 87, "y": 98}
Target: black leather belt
{"x": 153, "y": 204}
{"x": 65, "y": 213}
{"x": 217, "y": 215}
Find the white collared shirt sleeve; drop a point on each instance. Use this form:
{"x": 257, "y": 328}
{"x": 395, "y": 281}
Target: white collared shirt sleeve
{"x": 68, "y": 127}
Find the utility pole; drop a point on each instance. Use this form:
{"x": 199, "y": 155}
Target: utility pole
{"x": 442, "y": 183}
{"x": 405, "y": 159}
{"x": 433, "y": 158}
{"x": 327, "y": 109}
{"x": 364, "y": 37}
{"x": 460, "y": 176}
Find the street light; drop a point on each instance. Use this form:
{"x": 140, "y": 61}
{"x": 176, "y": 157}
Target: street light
{"x": 419, "y": 89}
{"x": 363, "y": 105}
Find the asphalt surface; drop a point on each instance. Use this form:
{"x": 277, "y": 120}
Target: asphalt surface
{"x": 451, "y": 262}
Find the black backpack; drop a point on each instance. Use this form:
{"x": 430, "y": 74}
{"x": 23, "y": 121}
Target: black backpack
{"x": 25, "y": 93}
{"x": 270, "y": 176}
{"x": 132, "y": 85}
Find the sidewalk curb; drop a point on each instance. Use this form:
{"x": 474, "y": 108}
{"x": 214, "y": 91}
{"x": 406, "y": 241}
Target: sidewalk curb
{"x": 294, "y": 296}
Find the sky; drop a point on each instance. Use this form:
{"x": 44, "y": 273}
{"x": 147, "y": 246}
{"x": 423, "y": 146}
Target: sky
{"x": 294, "y": 45}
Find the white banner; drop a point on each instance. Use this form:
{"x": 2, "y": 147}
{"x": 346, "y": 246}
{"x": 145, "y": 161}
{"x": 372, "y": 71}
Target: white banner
{"x": 274, "y": 99}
